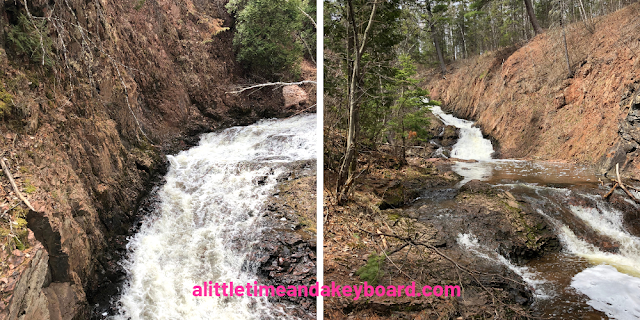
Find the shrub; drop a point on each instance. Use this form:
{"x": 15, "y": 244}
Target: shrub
{"x": 265, "y": 36}
{"x": 6, "y": 101}
{"x": 24, "y": 39}
{"x": 372, "y": 271}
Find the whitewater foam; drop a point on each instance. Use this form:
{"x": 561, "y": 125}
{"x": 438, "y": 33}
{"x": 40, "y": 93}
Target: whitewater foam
{"x": 208, "y": 220}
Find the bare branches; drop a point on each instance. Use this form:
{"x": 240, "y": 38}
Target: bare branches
{"x": 472, "y": 273}
{"x": 618, "y": 184}
{"x": 85, "y": 43}
{"x": 271, "y": 84}
{"x": 622, "y": 185}
{"x": 13, "y": 184}
{"x": 310, "y": 18}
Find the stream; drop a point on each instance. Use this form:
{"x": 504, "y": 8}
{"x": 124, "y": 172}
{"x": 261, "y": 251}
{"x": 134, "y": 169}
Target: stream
{"x": 208, "y": 219}
{"x": 587, "y": 279}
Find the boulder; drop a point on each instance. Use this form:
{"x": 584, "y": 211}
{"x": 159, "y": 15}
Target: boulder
{"x": 295, "y": 97}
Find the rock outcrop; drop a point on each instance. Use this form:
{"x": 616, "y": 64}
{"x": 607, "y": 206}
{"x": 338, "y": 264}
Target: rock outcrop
{"x": 123, "y": 83}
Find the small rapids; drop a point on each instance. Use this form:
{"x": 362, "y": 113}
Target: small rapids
{"x": 584, "y": 280}
{"x": 532, "y": 278}
{"x": 471, "y": 144}
{"x": 208, "y": 220}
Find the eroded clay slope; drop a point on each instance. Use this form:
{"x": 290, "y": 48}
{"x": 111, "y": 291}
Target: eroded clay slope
{"x": 524, "y": 99}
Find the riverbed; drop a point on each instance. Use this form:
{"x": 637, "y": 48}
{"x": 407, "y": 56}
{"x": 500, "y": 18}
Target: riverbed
{"x": 596, "y": 273}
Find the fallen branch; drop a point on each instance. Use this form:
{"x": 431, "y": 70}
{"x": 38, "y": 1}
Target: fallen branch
{"x": 13, "y": 184}
{"x": 611, "y": 191}
{"x": 623, "y": 187}
{"x": 272, "y": 84}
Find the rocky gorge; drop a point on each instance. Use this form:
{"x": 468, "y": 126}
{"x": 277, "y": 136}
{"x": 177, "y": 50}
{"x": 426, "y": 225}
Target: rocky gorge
{"x": 86, "y": 129}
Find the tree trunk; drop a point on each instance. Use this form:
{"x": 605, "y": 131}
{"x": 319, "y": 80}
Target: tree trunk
{"x": 566, "y": 50}
{"x": 532, "y": 17}
{"x": 432, "y": 29}
{"x": 348, "y": 167}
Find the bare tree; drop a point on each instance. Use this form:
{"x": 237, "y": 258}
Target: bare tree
{"x": 436, "y": 43}
{"x": 566, "y": 50}
{"x": 348, "y": 167}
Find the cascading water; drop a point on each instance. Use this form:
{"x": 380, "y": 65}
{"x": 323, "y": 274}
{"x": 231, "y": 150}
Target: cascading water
{"x": 582, "y": 275}
{"x": 532, "y": 278}
{"x": 207, "y": 221}
{"x": 471, "y": 145}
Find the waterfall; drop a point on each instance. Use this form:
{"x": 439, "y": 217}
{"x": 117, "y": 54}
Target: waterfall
{"x": 208, "y": 219}
{"x": 531, "y": 278}
{"x": 471, "y": 144}
{"x": 609, "y": 282}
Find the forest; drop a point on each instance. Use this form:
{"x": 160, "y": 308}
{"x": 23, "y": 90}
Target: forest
{"x": 492, "y": 145}
{"x": 374, "y": 49}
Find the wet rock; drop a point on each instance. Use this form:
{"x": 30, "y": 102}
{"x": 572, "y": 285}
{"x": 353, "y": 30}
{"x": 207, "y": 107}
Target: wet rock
{"x": 285, "y": 256}
{"x": 450, "y": 136}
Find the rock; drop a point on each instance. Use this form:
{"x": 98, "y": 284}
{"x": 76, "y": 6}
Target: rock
{"x": 476, "y": 186}
{"x": 450, "y": 136}
{"x": 28, "y": 298}
{"x": 559, "y": 101}
{"x": 393, "y": 197}
{"x": 295, "y": 97}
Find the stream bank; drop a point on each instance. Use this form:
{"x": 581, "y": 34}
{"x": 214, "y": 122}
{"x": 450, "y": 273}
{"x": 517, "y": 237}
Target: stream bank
{"x": 87, "y": 137}
{"x": 393, "y": 199}
{"x": 522, "y": 98}
{"x": 541, "y": 230}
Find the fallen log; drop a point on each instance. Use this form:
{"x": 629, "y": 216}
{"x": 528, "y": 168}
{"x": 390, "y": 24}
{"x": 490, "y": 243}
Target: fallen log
{"x": 623, "y": 187}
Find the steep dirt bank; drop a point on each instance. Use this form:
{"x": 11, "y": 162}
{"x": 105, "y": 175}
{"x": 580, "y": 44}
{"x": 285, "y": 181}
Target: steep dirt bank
{"x": 523, "y": 99}
{"x": 124, "y": 84}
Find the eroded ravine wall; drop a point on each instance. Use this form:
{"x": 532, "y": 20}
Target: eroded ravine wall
{"x": 75, "y": 134}
{"x": 523, "y": 98}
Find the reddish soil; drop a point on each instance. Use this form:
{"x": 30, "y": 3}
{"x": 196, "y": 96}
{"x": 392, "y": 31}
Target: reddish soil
{"x": 74, "y": 132}
{"x": 523, "y": 98}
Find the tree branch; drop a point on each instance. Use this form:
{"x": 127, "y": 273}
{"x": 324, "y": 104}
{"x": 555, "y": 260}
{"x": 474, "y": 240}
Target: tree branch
{"x": 271, "y": 84}
{"x": 13, "y": 184}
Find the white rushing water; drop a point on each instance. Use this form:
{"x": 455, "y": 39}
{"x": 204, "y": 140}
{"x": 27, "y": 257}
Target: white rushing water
{"x": 208, "y": 218}
{"x": 612, "y": 292}
{"x": 533, "y": 279}
{"x": 471, "y": 144}
{"x": 612, "y": 284}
